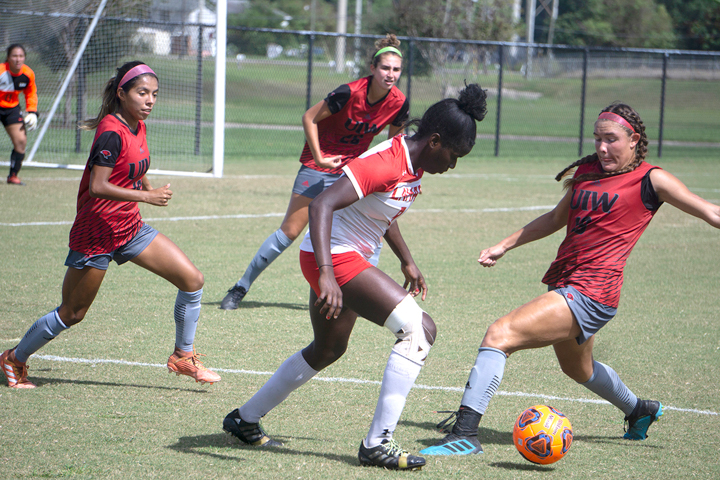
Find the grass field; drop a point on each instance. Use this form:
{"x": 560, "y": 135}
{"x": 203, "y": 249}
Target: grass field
{"x": 107, "y": 408}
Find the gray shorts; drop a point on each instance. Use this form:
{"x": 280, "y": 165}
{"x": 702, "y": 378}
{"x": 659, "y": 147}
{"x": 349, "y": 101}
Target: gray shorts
{"x": 123, "y": 254}
{"x": 311, "y": 183}
{"x": 590, "y": 315}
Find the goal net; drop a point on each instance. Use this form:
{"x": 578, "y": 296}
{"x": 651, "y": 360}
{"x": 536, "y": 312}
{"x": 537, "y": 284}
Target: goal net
{"x": 179, "y": 48}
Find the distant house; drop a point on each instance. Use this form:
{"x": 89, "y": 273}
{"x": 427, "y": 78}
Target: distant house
{"x": 170, "y": 37}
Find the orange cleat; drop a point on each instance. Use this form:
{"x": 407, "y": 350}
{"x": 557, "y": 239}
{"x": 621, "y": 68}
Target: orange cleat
{"x": 191, "y": 366}
{"x": 14, "y": 180}
{"x": 15, "y": 372}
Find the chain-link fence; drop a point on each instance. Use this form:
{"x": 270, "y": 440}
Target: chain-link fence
{"x": 543, "y": 99}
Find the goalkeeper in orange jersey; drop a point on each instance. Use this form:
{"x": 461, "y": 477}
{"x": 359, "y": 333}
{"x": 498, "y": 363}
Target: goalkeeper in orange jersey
{"x": 16, "y": 77}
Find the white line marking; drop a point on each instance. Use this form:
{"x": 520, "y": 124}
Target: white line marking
{"x": 267, "y": 215}
{"x": 93, "y": 361}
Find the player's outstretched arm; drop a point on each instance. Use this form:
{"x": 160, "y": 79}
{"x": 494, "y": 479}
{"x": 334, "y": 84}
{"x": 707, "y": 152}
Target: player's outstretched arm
{"x": 671, "y": 190}
{"x": 541, "y": 227}
{"x": 414, "y": 279}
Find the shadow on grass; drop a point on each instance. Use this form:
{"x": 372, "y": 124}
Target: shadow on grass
{"x": 248, "y": 305}
{"x": 192, "y": 445}
{"x": 58, "y": 381}
{"x": 497, "y": 437}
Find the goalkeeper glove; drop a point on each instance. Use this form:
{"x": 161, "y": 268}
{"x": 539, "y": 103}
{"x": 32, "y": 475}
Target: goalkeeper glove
{"x": 31, "y": 120}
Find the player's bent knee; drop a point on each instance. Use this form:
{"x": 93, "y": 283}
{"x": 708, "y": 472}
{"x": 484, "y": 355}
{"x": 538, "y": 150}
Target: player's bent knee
{"x": 497, "y": 336}
{"x": 413, "y": 328}
{"x": 429, "y": 328}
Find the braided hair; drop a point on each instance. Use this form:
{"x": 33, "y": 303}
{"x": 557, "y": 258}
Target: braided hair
{"x": 110, "y": 100}
{"x": 454, "y": 118}
{"x": 633, "y": 118}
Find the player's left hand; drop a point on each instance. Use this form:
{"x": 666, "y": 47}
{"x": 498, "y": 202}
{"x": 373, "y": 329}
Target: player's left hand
{"x": 30, "y": 120}
{"x": 414, "y": 280}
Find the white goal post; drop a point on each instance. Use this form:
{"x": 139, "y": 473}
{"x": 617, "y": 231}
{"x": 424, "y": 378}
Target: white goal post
{"x": 75, "y": 48}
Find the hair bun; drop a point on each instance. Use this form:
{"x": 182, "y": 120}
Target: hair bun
{"x": 473, "y": 101}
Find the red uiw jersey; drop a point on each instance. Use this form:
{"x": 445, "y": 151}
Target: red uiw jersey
{"x": 605, "y": 222}
{"x": 103, "y": 226}
{"x": 355, "y": 122}
{"x": 11, "y": 85}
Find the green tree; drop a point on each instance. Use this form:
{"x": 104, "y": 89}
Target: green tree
{"x": 454, "y": 20}
{"x": 287, "y": 14}
{"x": 697, "y": 23}
{"x": 615, "y": 23}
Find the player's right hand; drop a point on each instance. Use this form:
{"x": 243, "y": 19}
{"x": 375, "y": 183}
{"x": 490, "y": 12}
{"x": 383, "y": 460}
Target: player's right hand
{"x": 490, "y": 256}
{"x": 330, "y": 299}
{"x": 329, "y": 162}
{"x": 30, "y": 120}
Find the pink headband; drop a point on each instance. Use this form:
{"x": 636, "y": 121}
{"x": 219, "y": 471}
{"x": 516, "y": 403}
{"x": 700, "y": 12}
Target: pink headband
{"x": 135, "y": 72}
{"x": 614, "y": 117}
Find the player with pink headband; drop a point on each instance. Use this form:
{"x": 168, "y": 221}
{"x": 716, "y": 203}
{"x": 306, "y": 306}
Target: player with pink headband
{"x": 609, "y": 202}
{"x": 108, "y": 227}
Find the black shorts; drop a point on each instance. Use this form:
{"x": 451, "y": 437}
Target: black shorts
{"x": 11, "y": 116}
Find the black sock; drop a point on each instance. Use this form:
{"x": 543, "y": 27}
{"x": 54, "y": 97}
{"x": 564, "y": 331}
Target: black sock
{"x": 16, "y": 162}
{"x": 467, "y": 422}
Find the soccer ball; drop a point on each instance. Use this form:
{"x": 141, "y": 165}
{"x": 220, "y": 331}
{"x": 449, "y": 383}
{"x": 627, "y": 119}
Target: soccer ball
{"x": 542, "y": 434}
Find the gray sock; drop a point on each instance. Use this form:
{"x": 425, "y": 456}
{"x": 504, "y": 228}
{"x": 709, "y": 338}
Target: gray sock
{"x": 606, "y": 383}
{"x": 187, "y": 312}
{"x": 271, "y": 248}
{"x": 37, "y": 336}
{"x": 485, "y": 378}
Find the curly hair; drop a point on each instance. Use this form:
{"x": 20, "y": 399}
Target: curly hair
{"x": 633, "y": 118}
{"x": 390, "y": 40}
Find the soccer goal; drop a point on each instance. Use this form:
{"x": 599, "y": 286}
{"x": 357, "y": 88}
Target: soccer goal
{"x": 75, "y": 48}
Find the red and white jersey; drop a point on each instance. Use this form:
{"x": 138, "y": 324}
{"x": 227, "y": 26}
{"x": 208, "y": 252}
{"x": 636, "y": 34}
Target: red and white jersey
{"x": 386, "y": 185}
{"x": 606, "y": 219}
{"x": 103, "y": 226}
{"x": 354, "y": 122}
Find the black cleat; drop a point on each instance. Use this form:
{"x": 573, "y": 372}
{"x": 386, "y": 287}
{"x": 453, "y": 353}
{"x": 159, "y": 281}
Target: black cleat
{"x": 389, "y": 455}
{"x": 233, "y": 298}
{"x": 249, "y": 433}
{"x": 646, "y": 412}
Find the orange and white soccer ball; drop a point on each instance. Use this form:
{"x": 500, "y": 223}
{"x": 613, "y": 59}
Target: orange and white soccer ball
{"x": 542, "y": 434}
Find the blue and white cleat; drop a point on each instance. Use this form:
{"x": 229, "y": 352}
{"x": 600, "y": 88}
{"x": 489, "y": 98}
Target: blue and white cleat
{"x": 455, "y": 445}
{"x": 646, "y": 412}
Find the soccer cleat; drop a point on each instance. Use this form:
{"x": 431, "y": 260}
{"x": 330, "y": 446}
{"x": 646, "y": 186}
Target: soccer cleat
{"x": 250, "y": 433}
{"x": 13, "y": 179}
{"x": 645, "y": 413}
{"x": 454, "y": 444}
{"x": 15, "y": 372}
{"x": 389, "y": 455}
{"x": 233, "y": 298}
{"x": 192, "y": 367}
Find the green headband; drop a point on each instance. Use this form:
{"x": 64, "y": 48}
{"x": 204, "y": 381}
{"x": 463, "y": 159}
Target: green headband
{"x": 388, "y": 49}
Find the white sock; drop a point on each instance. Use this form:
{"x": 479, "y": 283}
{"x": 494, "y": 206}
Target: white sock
{"x": 399, "y": 377}
{"x": 292, "y": 374}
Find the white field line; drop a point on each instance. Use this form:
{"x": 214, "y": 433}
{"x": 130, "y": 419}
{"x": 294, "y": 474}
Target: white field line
{"x": 95, "y": 361}
{"x": 266, "y": 215}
